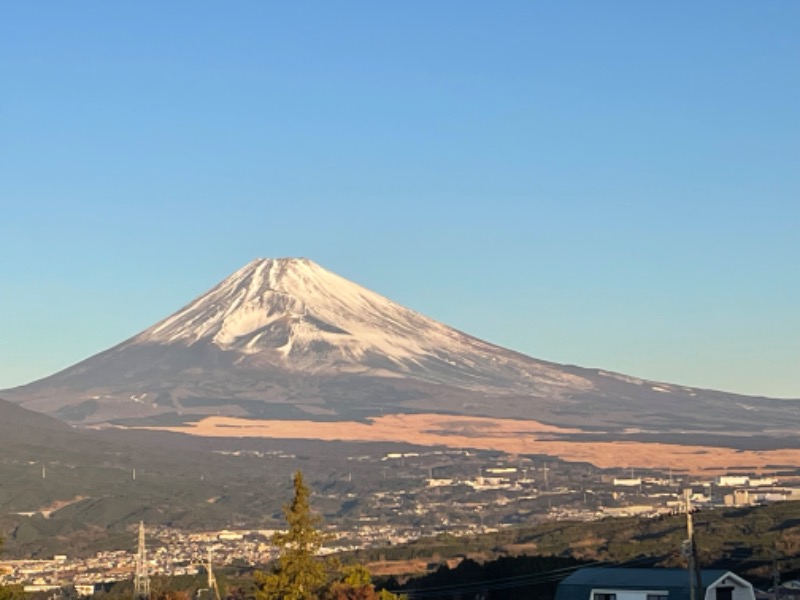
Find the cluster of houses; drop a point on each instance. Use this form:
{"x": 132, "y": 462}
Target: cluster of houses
{"x": 747, "y": 491}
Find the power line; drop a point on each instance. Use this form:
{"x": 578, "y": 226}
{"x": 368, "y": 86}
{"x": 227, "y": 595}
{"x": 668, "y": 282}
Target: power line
{"x": 552, "y": 575}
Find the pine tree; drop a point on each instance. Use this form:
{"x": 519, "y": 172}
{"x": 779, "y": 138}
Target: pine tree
{"x": 355, "y": 583}
{"x": 298, "y": 574}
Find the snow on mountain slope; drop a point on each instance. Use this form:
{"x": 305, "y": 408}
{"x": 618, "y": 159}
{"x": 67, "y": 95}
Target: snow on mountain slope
{"x": 294, "y": 314}
{"x": 241, "y": 311}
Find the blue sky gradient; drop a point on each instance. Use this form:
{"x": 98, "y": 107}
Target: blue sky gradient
{"x": 604, "y": 184}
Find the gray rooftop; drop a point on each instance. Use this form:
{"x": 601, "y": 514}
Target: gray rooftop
{"x": 640, "y": 578}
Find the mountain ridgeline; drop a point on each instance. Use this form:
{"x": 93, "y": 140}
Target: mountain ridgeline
{"x": 287, "y": 339}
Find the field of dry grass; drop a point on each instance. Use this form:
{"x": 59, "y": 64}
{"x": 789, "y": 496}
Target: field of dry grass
{"x": 507, "y": 435}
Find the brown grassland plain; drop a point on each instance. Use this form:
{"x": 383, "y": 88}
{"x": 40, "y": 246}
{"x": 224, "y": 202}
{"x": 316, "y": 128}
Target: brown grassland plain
{"x": 506, "y": 435}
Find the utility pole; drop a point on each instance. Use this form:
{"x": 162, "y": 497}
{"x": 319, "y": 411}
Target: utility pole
{"x": 776, "y": 576}
{"x": 695, "y": 580}
{"x": 141, "y": 582}
{"x": 687, "y": 545}
{"x": 545, "y": 470}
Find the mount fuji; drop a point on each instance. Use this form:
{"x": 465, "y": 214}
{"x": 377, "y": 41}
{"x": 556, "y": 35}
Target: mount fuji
{"x": 287, "y": 339}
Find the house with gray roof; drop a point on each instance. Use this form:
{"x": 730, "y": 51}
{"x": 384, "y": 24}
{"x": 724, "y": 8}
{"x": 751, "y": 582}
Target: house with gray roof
{"x": 610, "y": 583}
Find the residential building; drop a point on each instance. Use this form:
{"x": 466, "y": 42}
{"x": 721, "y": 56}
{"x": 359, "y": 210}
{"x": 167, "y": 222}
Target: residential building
{"x": 651, "y": 584}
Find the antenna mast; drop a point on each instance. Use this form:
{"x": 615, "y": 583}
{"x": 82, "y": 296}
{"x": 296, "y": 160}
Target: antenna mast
{"x": 141, "y": 583}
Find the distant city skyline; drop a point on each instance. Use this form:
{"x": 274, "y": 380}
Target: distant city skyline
{"x": 612, "y": 186}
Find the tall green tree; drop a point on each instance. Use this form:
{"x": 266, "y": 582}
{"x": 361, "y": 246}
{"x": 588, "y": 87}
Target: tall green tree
{"x": 298, "y": 574}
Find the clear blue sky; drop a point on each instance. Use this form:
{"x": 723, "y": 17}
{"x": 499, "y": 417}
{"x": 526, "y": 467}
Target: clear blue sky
{"x": 609, "y": 184}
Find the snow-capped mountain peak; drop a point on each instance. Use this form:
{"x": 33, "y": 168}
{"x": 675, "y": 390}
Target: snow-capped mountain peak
{"x": 293, "y": 301}
{"x": 293, "y": 313}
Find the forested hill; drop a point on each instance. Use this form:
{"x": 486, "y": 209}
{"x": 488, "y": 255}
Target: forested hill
{"x": 739, "y": 539}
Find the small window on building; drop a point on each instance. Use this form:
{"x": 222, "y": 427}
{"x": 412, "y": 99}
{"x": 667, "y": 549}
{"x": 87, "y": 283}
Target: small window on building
{"x": 724, "y": 593}
{"x": 657, "y": 596}
{"x": 605, "y": 596}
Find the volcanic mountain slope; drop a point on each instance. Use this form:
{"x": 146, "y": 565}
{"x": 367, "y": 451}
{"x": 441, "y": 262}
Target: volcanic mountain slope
{"x": 285, "y": 338}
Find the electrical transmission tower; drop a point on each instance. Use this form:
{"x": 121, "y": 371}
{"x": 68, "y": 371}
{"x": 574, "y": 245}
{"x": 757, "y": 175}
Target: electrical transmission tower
{"x": 141, "y": 583}
{"x": 212, "y": 580}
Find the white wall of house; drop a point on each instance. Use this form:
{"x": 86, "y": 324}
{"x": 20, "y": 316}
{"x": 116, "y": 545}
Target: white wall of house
{"x": 741, "y": 589}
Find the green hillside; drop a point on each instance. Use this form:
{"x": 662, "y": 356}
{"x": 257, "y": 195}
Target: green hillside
{"x": 741, "y": 539}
